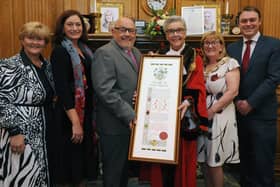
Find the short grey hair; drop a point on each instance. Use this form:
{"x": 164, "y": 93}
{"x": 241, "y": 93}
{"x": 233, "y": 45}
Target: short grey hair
{"x": 173, "y": 19}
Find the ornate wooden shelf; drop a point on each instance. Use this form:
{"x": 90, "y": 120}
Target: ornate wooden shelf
{"x": 145, "y": 43}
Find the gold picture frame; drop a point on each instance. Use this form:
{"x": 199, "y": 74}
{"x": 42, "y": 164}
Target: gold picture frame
{"x": 155, "y": 137}
{"x": 110, "y": 12}
{"x": 211, "y": 14}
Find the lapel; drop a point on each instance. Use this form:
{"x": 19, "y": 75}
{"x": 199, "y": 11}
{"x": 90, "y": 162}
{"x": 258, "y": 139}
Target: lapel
{"x": 46, "y": 67}
{"x": 125, "y": 55}
{"x": 129, "y": 60}
{"x": 258, "y": 47}
{"x": 239, "y": 52}
{"x": 137, "y": 57}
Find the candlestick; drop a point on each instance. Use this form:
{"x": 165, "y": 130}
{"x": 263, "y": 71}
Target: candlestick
{"x": 225, "y": 23}
{"x": 227, "y": 7}
{"x": 94, "y": 6}
{"x": 96, "y": 22}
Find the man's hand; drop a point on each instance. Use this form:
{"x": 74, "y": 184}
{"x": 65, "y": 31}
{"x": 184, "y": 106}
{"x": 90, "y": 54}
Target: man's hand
{"x": 243, "y": 107}
{"x": 134, "y": 98}
{"x": 132, "y": 124}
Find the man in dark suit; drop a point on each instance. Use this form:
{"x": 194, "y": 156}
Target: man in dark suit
{"x": 114, "y": 77}
{"x": 256, "y": 103}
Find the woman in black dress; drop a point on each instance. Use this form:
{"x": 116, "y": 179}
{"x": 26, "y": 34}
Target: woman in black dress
{"x": 73, "y": 157}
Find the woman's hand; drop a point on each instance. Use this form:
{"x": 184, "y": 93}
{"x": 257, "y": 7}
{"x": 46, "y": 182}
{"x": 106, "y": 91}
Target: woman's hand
{"x": 210, "y": 113}
{"x": 77, "y": 130}
{"x": 183, "y": 107}
{"x": 77, "y": 133}
{"x": 17, "y": 144}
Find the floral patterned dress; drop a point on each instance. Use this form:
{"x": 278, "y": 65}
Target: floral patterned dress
{"x": 222, "y": 146}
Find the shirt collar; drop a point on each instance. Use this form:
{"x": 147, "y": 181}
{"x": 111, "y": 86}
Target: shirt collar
{"x": 173, "y": 52}
{"x": 254, "y": 38}
{"x": 27, "y": 61}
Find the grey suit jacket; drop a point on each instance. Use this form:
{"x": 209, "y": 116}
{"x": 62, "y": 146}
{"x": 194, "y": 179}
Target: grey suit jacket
{"x": 114, "y": 78}
{"x": 259, "y": 84}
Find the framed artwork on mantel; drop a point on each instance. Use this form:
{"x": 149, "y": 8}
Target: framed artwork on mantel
{"x": 206, "y": 14}
{"x": 110, "y": 12}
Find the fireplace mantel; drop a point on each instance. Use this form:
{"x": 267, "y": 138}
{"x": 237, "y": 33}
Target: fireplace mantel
{"x": 145, "y": 43}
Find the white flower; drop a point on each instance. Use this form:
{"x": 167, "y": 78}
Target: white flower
{"x": 164, "y": 16}
{"x": 160, "y": 22}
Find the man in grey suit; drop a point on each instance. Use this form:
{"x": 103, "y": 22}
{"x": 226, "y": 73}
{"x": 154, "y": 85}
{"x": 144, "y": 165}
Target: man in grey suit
{"x": 256, "y": 103}
{"x": 114, "y": 77}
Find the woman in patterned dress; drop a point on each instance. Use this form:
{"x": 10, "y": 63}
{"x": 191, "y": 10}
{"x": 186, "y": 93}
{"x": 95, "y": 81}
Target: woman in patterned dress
{"x": 222, "y": 81}
{"x": 26, "y": 94}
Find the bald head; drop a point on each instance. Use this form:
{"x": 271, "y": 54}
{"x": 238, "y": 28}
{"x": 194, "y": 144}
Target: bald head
{"x": 124, "y": 20}
{"x": 124, "y": 32}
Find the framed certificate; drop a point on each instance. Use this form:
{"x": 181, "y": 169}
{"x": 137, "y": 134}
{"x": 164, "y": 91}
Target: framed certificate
{"x": 194, "y": 18}
{"x": 155, "y": 137}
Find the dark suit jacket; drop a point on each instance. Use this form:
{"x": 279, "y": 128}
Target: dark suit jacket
{"x": 114, "y": 77}
{"x": 259, "y": 84}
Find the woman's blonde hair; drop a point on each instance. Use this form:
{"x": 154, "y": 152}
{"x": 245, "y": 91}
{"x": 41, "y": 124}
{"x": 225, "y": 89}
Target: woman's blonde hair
{"x": 216, "y": 36}
{"x": 35, "y": 29}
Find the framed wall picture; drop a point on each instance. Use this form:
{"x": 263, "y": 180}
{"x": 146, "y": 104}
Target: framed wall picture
{"x": 155, "y": 137}
{"x": 211, "y": 19}
{"x": 194, "y": 18}
{"x": 110, "y": 12}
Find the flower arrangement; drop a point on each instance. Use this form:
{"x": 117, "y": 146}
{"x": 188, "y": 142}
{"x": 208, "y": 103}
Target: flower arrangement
{"x": 154, "y": 27}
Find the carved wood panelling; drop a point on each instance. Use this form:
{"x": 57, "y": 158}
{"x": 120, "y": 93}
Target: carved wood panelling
{"x": 7, "y": 28}
{"x": 130, "y": 7}
{"x": 16, "y": 12}
{"x": 82, "y": 5}
{"x": 271, "y": 17}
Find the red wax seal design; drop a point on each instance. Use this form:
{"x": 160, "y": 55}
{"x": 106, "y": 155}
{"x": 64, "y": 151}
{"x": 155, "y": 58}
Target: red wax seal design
{"x": 163, "y": 135}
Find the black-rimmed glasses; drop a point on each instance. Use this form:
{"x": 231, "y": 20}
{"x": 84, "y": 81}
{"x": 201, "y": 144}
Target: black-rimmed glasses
{"x": 124, "y": 30}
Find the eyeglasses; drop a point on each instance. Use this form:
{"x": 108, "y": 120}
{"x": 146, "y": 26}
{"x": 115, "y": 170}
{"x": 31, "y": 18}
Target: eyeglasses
{"x": 173, "y": 31}
{"x": 212, "y": 43}
{"x": 124, "y": 30}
